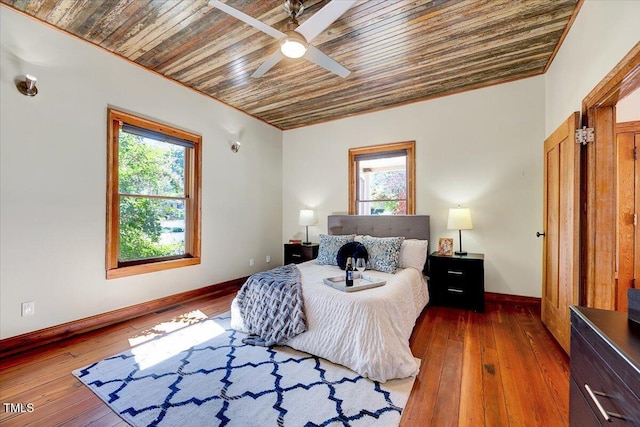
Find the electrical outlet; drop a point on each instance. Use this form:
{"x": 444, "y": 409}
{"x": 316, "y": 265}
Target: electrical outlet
{"x": 251, "y": 262}
{"x": 28, "y": 308}
{"x": 268, "y": 259}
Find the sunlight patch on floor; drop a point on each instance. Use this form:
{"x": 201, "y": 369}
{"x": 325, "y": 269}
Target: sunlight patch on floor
{"x": 164, "y": 328}
{"x": 150, "y": 353}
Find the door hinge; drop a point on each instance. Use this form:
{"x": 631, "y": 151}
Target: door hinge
{"x": 633, "y": 283}
{"x": 584, "y": 135}
{"x": 635, "y": 219}
{"x": 635, "y": 153}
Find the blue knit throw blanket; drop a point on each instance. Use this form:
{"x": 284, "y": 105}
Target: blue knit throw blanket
{"x": 272, "y": 307}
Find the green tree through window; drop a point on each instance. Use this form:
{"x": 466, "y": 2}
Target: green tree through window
{"x": 149, "y": 167}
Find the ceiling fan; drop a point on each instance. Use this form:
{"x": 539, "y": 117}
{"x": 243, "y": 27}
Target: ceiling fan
{"x": 294, "y": 41}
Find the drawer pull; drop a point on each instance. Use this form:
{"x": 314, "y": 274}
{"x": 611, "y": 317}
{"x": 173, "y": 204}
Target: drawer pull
{"x": 605, "y": 414}
{"x": 458, "y": 291}
{"x": 455, "y": 273}
{"x": 296, "y": 255}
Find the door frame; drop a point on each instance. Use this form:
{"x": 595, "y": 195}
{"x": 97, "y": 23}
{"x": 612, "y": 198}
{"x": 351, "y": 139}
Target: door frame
{"x": 628, "y": 193}
{"x": 598, "y": 164}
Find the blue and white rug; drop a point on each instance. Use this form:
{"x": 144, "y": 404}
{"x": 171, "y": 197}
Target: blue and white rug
{"x": 203, "y": 375}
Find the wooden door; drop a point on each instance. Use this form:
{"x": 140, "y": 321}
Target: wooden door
{"x": 628, "y": 196}
{"x": 561, "y": 216}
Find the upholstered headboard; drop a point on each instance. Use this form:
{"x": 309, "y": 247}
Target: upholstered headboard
{"x": 407, "y": 226}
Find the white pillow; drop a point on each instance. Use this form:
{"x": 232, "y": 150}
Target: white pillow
{"x": 413, "y": 253}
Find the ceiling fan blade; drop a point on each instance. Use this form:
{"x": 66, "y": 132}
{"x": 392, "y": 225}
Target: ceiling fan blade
{"x": 326, "y": 16}
{"x": 268, "y": 64}
{"x": 313, "y": 54}
{"x": 247, "y": 19}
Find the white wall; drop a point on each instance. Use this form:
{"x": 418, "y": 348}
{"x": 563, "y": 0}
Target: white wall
{"x": 53, "y": 179}
{"x": 481, "y": 149}
{"x": 628, "y": 108}
{"x": 602, "y": 34}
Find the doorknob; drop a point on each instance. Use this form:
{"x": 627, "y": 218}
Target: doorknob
{"x": 538, "y": 234}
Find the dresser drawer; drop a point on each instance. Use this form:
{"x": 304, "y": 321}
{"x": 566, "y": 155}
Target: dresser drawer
{"x": 453, "y": 281}
{"x": 597, "y": 382}
{"x": 627, "y": 368}
{"x": 457, "y": 279}
{"x": 459, "y": 275}
{"x": 457, "y": 297}
{"x": 581, "y": 413}
{"x": 295, "y": 253}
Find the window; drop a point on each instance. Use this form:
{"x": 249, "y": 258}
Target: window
{"x": 153, "y": 196}
{"x": 382, "y": 179}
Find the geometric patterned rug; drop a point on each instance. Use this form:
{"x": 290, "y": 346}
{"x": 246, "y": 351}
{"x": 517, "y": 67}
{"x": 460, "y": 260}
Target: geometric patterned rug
{"x": 203, "y": 375}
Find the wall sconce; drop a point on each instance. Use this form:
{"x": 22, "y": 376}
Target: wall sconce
{"x": 235, "y": 147}
{"x": 28, "y": 86}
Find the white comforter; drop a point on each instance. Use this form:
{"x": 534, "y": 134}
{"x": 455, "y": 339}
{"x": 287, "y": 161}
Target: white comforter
{"x": 367, "y": 331}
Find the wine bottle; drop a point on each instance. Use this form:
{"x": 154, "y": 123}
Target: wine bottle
{"x": 349, "y": 272}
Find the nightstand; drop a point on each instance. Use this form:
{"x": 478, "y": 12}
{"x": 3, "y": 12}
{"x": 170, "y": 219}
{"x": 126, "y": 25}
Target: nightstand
{"x": 457, "y": 280}
{"x": 296, "y": 253}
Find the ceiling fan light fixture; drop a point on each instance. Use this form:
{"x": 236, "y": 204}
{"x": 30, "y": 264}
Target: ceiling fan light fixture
{"x": 294, "y": 45}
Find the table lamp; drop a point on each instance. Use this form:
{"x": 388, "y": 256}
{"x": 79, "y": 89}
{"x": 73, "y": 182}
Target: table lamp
{"x": 307, "y": 218}
{"x": 459, "y": 219}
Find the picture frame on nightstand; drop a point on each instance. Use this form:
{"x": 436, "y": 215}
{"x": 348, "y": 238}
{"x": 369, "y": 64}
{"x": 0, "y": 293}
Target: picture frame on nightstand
{"x": 445, "y": 246}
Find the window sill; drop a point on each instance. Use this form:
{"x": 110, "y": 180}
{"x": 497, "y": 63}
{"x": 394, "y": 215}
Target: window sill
{"x": 133, "y": 270}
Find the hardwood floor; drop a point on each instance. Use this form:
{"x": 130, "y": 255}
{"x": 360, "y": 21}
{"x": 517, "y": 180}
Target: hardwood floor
{"x": 500, "y": 368}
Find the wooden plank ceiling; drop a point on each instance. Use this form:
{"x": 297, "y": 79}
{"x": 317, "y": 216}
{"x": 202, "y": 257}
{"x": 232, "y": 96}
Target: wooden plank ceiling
{"x": 398, "y": 51}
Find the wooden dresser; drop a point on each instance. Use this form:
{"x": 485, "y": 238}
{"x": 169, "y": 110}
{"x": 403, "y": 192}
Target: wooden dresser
{"x": 605, "y": 369}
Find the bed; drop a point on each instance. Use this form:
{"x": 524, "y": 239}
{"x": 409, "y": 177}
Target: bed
{"x": 367, "y": 331}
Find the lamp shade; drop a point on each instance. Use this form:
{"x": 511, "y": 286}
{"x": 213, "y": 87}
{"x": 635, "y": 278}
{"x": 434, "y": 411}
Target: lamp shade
{"x": 307, "y": 217}
{"x": 459, "y": 219}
